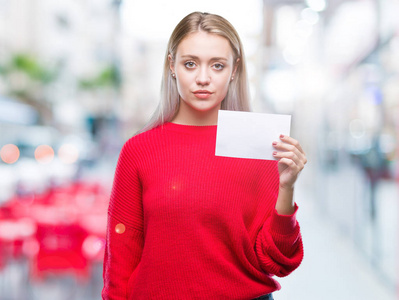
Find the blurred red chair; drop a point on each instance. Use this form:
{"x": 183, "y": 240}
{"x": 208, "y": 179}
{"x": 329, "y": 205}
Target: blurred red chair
{"x": 13, "y": 234}
{"x": 60, "y": 251}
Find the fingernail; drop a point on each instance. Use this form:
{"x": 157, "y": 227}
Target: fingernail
{"x": 274, "y": 152}
{"x": 274, "y": 143}
{"x": 282, "y": 136}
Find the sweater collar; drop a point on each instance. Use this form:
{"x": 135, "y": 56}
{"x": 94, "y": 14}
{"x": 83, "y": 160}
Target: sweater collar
{"x": 190, "y": 129}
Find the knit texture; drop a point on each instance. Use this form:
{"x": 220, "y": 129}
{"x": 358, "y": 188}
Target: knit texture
{"x": 195, "y": 225}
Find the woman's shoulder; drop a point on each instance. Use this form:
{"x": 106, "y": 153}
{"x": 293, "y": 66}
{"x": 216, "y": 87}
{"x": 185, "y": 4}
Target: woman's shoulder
{"x": 144, "y": 139}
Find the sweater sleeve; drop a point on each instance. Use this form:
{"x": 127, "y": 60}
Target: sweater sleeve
{"x": 124, "y": 229}
{"x": 279, "y": 244}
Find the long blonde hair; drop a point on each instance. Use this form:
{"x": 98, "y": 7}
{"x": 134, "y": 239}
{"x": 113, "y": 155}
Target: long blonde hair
{"x": 237, "y": 97}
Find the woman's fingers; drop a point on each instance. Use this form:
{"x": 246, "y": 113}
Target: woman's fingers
{"x": 293, "y": 154}
{"x": 291, "y": 141}
{"x": 290, "y": 148}
{"x": 291, "y": 167}
{"x": 289, "y": 158}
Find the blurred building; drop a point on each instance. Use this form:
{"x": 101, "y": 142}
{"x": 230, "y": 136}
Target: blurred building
{"x": 76, "y": 39}
{"x": 334, "y": 65}
{"x": 141, "y": 68}
{"x": 59, "y": 97}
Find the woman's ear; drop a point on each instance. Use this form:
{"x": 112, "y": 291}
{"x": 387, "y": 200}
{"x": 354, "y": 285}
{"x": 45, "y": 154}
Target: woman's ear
{"x": 235, "y": 68}
{"x": 171, "y": 63}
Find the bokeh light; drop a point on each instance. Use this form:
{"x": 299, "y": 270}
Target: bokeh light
{"x": 93, "y": 246}
{"x": 9, "y": 153}
{"x": 310, "y": 16}
{"x": 68, "y": 153}
{"x": 317, "y": 5}
{"x": 120, "y": 228}
{"x": 44, "y": 154}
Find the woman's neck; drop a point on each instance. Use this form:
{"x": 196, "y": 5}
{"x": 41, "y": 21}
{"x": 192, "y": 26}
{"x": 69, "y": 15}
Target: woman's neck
{"x": 188, "y": 116}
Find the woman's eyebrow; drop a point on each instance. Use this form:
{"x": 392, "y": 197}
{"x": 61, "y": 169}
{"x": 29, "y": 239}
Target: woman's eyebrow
{"x": 197, "y": 58}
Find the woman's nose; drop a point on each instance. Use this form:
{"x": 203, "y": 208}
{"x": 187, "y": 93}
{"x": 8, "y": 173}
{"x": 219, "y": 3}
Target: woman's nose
{"x": 203, "y": 77}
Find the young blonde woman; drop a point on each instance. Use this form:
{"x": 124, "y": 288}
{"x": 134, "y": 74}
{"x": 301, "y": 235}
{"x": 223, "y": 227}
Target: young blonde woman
{"x": 184, "y": 223}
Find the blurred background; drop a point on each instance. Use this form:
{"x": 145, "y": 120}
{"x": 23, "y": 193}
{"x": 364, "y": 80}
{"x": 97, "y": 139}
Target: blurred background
{"x": 78, "y": 78}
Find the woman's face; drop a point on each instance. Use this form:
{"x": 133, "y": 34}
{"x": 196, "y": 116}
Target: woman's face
{"x": 204, "y": 66}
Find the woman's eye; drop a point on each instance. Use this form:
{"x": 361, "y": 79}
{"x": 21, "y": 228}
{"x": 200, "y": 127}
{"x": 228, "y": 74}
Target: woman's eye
{"x": 218, "y": 66}
{"x": 190, "y": 64}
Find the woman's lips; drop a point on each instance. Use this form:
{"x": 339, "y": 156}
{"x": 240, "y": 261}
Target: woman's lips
{"x": 202, "y": 94}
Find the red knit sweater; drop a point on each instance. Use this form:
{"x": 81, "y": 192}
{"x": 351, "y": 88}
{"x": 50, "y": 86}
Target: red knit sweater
{"x": 186, "y": 224}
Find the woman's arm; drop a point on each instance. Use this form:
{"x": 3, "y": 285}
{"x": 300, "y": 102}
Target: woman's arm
{"x": 291, "y": 161}
{"x": 122, "y": 256}
{"x": 279, "y": 243}
{"x": 125, "y": 227}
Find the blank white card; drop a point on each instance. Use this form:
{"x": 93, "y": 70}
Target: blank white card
{"x": 249, "y": 135}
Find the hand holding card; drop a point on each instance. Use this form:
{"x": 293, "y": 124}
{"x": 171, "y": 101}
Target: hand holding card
{"x": 263, "y": 136}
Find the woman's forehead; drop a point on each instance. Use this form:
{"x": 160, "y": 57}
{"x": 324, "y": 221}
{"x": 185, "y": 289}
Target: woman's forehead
{"x": 202, "y": 44}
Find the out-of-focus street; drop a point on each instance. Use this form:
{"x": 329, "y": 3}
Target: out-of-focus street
{"x": 333, "y": 268}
